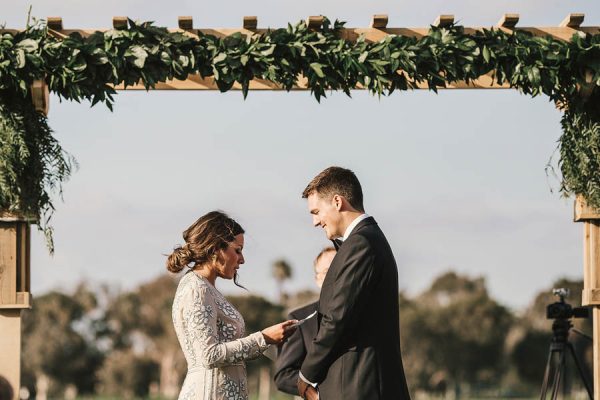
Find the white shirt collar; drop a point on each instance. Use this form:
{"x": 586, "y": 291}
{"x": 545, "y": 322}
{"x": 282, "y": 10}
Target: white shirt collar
{"x": 353, "y": 224}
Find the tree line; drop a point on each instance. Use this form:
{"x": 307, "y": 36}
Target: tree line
{"x": 457, "y": 341}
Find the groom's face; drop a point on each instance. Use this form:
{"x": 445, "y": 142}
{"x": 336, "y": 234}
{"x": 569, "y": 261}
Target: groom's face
{"x": 325, "y": 214}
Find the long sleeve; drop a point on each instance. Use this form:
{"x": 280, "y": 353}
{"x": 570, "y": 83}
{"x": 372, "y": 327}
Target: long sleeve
{"x": 347, "y": 294}
{"x": 199, "y": 313}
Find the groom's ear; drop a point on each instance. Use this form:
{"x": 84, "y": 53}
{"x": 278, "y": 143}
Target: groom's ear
{"x": 337, "y": 202}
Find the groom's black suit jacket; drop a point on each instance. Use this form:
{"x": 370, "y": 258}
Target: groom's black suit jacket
{"x": 291, "y": 354}
{"x": 356, "y": 352}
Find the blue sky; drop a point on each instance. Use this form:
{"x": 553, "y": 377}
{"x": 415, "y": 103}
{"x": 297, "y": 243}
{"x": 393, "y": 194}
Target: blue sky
{"x": 456, "y": 180}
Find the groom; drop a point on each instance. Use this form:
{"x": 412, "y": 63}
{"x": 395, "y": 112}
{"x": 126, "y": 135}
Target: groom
{"x": 356, "y": 352}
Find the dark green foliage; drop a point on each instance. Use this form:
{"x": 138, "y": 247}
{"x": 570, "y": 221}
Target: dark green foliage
{"x": 33, "y": 165}
{"x": 453, "y": 334}
{"x": 580, "y": 156}
{"x": 58, "y": 341}
{"x": 78, "y": 68}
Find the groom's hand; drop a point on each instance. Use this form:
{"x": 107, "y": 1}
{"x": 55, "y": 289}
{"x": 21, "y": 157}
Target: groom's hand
{"x": 306, "y": 391}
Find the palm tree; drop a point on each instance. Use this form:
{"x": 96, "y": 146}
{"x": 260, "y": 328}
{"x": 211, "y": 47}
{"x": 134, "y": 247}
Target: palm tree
{"x": 282, "y": 271}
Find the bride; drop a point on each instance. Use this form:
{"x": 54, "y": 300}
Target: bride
{"x": 210, "y": 330}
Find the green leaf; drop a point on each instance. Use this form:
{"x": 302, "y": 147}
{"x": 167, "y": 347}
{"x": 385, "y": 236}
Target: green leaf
{"x": 219, "y": 58}
{"x": 28, "y": 45}
{"x": 486, "y": 54}
{"x": 138, "y": 54}
{"x": 21, "y": 60}
{"x": 317, "y": 68}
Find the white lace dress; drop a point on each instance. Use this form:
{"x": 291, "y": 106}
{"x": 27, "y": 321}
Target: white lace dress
{"x": 211, "y": 333}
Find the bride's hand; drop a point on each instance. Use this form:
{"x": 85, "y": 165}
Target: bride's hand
{"x": 279, "y": 333}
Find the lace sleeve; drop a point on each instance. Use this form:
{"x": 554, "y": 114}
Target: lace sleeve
{"x": 200, "y": 315}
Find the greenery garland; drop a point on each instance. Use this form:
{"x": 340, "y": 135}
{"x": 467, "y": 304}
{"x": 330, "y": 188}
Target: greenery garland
{"x": 32, "y": 163}
{"x": 78, "y": 68}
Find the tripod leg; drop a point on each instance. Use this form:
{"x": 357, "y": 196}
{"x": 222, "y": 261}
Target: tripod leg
{"x": 558, "y": 374}
{"x": 546, "y": 376}
{"x": 581, "y": 372}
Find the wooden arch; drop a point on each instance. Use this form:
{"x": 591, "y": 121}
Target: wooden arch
{"x": 14, "y": 231}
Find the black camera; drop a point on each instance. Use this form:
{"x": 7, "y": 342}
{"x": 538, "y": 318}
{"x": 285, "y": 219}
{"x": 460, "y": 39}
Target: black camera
{"x": 562, "y": 310}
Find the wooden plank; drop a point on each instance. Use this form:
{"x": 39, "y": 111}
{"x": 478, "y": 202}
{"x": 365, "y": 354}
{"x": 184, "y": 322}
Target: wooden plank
{"x": 592, "y": 297}
{"x": 509, "y": 21}
{"x": 10, "y": 348}
{"x": 8, "y": 260}
{"x": 55, "y": 23}
{"x": 250, "y": 22}
{"x": 12, "y": 217}
{"x": 444, "y": 20}
{"x": 371, "y": 34}
{"x": 594, "y": 254}
{"x": 23, "y": 246}
{"x": 587, "y": 273}
{"x": 596, "y": 350}
{"x": 24, "y": 301}
{"x": 185, "y": 23}
{"x": 583, "y": 212}
{"x": 573, "y": 21}
{"x": 195, "y": 82}
{"x": 27, "y": 280}
{"x": 40, "y": 96}
{"x": 119, "y": 22}
{"x": 315, "y": 22}
{"x": 379, "y": 21}
{"x": 561, "y": 33}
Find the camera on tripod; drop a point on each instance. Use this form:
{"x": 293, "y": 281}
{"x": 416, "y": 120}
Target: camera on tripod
{"x": 556, "y": 365}
{"x": 562, "y": 310}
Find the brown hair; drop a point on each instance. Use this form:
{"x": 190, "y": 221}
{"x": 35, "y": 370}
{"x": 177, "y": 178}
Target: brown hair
{"x": 6, "y": 390}
{"x": 337, "y": 180}
{"x": 325, "y": 250}
{"x": 203, "y": 240}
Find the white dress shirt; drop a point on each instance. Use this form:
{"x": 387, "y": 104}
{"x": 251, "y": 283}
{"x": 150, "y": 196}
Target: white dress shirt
{"x": 352, "y": 225}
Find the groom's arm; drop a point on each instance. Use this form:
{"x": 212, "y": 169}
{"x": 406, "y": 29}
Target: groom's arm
{"x": 289, "y": 361}
{"x": 341, "y": 313}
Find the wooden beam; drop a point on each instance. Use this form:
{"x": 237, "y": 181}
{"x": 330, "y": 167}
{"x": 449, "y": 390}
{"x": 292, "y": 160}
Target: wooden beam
{"x": 444, "y": 20}
{"x": 40, "y": 96}
{"x": 376, "y": 32}
{"x": 55, "y": 23}
{"x": 379, "y": 21}
{"x": 119, "y": 22}
{"x": 10, "y": 348}
{"x": 186, "y": 23}
{"x": 315, "y": 22}
{"x": 591, "y": 275}
{"x": 583, "y": 212}
{"x": 508, "y": 21}
{"x": 196, "y": 82}
{"x": 572, "y": 21}
{"x": 250, "y": 23}
{"x": 556, "y": 32}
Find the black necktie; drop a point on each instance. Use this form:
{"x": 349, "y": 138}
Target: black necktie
{"x": 337, "y": 243}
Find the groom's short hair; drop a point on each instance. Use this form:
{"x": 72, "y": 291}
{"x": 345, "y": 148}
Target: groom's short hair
{"x": 337, "y": 180}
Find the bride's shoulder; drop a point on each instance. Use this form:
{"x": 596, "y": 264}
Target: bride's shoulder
{"x": 192, "y": 282}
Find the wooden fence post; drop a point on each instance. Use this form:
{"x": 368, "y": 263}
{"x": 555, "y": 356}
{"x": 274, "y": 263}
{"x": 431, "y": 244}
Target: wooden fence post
{"x": 14, "y": 293}
{"x": 591, "y": 275}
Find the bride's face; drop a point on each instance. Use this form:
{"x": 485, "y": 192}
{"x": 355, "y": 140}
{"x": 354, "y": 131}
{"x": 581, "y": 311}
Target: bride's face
{"x": 231, "y": 258}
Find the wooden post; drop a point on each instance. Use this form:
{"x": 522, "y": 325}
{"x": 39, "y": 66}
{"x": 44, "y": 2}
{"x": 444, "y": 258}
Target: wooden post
{"x": 591, "y": 275}
{"x": 14, "y": 293}
{"x": 40, "y": 96}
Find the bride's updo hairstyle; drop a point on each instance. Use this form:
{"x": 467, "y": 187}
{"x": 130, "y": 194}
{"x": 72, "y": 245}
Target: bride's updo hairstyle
{"x": 203, "y": 240}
